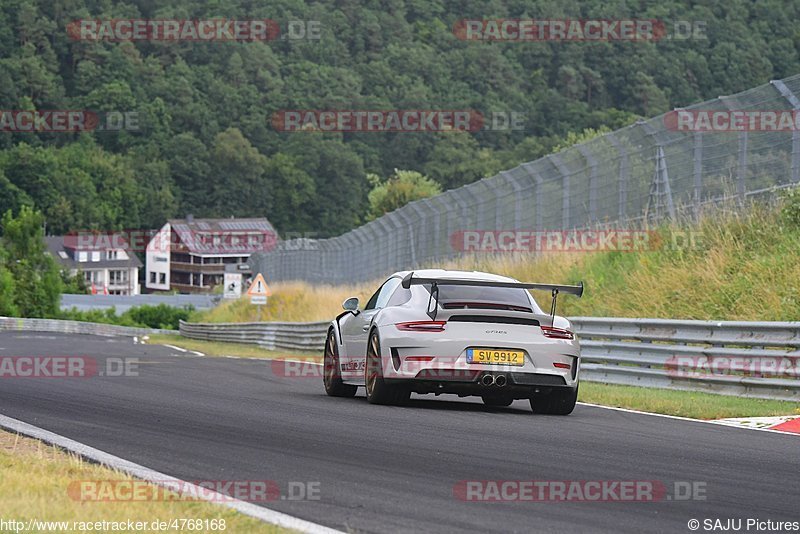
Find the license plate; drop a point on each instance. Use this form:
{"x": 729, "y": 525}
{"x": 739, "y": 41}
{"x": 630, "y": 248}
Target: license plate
{"x": 496, "y": 356}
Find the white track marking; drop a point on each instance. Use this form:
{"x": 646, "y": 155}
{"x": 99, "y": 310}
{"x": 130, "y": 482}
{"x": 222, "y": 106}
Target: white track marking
{"x": 160, "y": 479}
{"x": 711, "y": 422}
{"x": 179, "y": 349}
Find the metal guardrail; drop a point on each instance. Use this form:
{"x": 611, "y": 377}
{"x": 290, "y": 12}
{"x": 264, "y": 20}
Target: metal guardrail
{"x": 753, "y": 359}
{"x": 75, "y": 327}
{"x": 273, "y": 336}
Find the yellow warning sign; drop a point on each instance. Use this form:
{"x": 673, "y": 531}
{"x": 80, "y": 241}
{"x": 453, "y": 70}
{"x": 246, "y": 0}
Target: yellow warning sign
{"x": 259, "y": 287}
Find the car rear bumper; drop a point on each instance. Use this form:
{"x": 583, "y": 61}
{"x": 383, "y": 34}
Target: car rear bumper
{"x": 488, "y": 382}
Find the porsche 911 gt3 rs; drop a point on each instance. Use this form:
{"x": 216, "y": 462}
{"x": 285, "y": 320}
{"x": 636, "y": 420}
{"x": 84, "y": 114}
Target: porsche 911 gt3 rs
{"x": 457, "y": 332}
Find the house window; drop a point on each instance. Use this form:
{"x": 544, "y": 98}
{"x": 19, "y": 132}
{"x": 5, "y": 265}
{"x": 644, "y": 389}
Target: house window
{"x": 82, "y": 255}
{"x": 95, "y": 255}
{"x": 152, "y": 277}
{"x": 118, "y": 277}
{"x": 162, "y": 278}
{"x": 111, "y": 254}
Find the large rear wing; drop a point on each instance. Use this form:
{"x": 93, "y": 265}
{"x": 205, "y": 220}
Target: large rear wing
{"x": 410, "y": 280}
{"x": 554, "y": 289}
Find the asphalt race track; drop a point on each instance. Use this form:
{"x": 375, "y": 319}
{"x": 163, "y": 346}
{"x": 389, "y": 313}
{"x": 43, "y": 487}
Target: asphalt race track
{"x": 388, "y": 469}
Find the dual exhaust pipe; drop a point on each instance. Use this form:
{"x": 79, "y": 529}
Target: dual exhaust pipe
{"x": 493, "y": 380}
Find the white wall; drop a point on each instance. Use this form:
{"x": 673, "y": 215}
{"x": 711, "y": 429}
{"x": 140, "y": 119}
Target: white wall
{"x": 157, "y": 259}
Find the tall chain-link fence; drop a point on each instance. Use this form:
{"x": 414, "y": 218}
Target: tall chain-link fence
{"x": 665, "y": 167}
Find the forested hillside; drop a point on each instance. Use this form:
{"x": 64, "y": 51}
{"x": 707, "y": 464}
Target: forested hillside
{"x": 205, "y": 144}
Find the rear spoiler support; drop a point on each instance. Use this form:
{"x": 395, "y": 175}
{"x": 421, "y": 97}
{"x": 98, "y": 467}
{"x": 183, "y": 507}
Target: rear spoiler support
{"x": 554, "y": 289}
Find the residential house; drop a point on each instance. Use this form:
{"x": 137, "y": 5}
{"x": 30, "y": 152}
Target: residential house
{"x": 106, "y": 261}
{"x": 189, "y": 255}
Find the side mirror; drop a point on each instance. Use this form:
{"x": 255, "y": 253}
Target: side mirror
{"x": 351, "y": 304}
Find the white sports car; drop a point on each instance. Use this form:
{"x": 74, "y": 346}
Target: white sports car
{"x": 465, "y": 333}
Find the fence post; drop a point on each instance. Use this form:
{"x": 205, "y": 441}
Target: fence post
{"x": 435, "y": 250}
{"x": 741, "y": 165}
{"x": 795, "y": 103}
{"x": 623, "y": 176}
{"x": 518, "y": 207}
{"x": 537, "y": 192}
{"x": 698, "y": 173}
{"x": 402, "y": 212}
{"x": 562, "y": 169}
{"x": 592, "y": 163}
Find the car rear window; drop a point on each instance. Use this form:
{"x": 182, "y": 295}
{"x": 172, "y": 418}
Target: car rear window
{"x": 452, "y": 297}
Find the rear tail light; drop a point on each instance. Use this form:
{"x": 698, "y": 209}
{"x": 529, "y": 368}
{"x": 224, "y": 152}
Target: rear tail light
{"x": 560, "y": 365}
{"x": 422, "y": 326}
{"x": 557, "y": 333}
{"x": 419, "y": 358}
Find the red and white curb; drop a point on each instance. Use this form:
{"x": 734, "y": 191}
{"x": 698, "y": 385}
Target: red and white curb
{"x": 782, "y": 423}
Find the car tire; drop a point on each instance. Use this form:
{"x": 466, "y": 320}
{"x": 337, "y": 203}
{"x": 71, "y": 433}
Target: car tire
{"x": 331, "y": 372}
{"x": 497, "y": 400}
{"x": 378, "y": 391}
{"x": 557, "y": 402}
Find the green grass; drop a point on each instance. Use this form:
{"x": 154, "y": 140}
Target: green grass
{"x": 683, "y": 403}
{"x": 35, "y": 485}
{"x": 743, "y": 265}
{"x": 216, "y": 348}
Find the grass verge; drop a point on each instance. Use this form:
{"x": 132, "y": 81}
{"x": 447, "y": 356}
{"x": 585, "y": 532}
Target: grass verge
{"x": 217, "y": 348}
{"x": 35, "y": 481}
{"x": 730, "y": 265}
{"x": 683, "y": 403}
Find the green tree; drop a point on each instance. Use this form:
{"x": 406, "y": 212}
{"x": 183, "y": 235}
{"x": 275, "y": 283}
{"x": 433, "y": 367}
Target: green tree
{"x": 36, "y": 279}
{"x": 237, "y": 168}
{"x": 398, "y": 190}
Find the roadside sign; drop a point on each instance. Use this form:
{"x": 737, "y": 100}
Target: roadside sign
{"x": 259, "y": 290}
{"x": 233, "y": 286}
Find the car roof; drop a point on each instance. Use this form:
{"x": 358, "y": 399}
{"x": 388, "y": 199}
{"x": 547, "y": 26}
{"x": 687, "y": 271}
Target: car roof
{"x": 450, "y": 274}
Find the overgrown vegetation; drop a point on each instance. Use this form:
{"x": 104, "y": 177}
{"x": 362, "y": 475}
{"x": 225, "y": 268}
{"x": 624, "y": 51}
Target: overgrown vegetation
{"x": 398, "y": 190}
{"x": 38, "y": 482}
{"x": 160, "y": 316}
{"x": 204, "y": 143}
{"x": 740, "y": 264}
{"x": 30, "y": 281}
